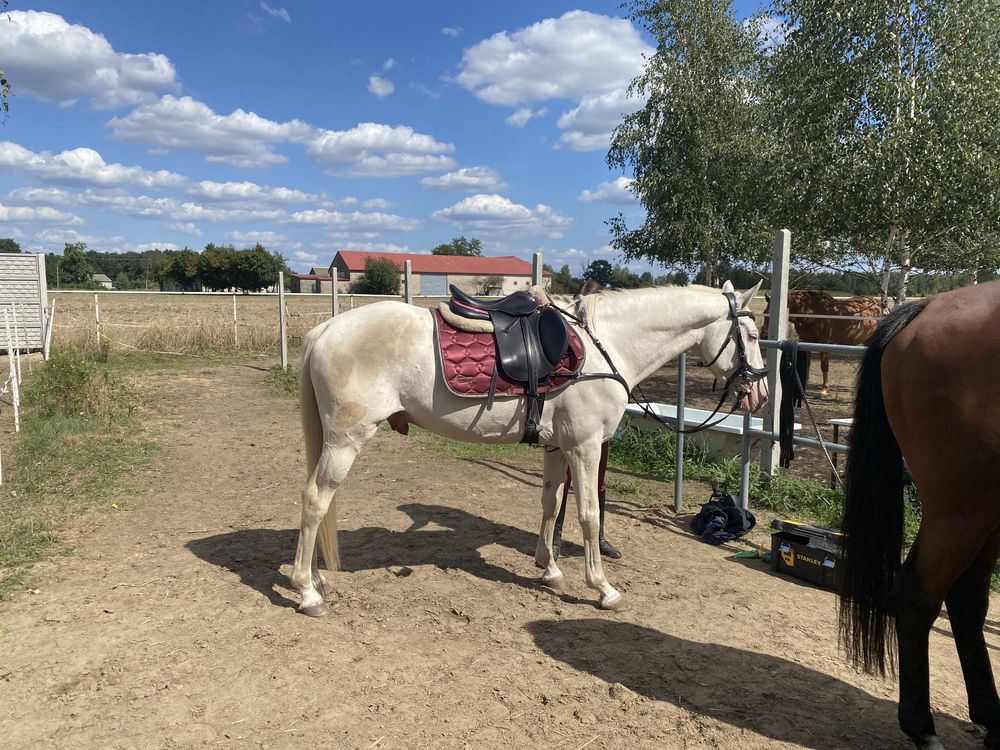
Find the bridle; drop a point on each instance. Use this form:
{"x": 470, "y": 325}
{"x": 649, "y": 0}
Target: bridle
{"x": 745, "y": 374}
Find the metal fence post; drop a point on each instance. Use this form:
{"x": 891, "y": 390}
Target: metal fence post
{"x": 408, "y": 281}
{"x": 777, "y": 331}
{"x": 335, "y": 295}
{"x": 281, "y": 320}
{"x": 679, "y": 446}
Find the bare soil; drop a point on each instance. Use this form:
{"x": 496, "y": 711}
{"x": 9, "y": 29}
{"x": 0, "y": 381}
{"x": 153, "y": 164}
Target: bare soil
{"x": 173, "y": 624}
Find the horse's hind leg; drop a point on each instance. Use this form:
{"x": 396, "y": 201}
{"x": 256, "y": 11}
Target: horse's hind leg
{"x": 553, "y": 478}
{"x": 935, "y": 569}
{"x": 968, "y": 602}
{"x": 334, "y": 463}
{"x": 824, "y": 364}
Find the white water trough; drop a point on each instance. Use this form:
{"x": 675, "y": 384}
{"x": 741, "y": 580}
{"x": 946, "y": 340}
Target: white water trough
{"x": 722, "y": 440}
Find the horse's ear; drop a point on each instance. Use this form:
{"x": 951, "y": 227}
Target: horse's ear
{"x": 728, "y": 287}
{"x": 749, "y": 294}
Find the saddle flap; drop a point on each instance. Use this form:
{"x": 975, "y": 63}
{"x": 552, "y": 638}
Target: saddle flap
{"x": 529, "y": 347}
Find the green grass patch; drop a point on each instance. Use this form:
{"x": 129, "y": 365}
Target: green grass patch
{"x": 283, "y": 382}
{"x": 77, "y": 450}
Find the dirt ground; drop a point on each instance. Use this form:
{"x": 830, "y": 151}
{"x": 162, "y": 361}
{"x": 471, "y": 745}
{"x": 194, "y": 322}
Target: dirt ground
{"x": 173, "y": 624}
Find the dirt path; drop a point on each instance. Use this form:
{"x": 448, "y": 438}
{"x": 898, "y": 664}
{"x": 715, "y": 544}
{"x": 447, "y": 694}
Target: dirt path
{"x": 173, "y": 626}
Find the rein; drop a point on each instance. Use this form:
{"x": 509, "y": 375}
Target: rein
{"x": 744, "y": 371}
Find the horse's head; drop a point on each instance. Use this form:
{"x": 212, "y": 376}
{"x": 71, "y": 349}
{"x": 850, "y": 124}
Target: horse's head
{"x": 731, "y": 348}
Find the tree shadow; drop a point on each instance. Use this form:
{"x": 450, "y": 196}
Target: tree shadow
{"x": 439, "y": 535}
{"x": 765, "y": 694}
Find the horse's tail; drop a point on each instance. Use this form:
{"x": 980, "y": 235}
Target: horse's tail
{"x": 873, "y": 513}
{"x": 312, "y": 431}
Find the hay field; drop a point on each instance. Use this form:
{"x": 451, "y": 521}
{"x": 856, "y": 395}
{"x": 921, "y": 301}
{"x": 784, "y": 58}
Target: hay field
{"x": 190, "y": 323}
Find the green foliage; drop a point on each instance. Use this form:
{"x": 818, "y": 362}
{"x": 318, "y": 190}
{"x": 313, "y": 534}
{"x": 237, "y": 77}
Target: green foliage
{"x": 184, "y": 270}
{"x": 381, "y": 277}
{"x": 460, "y": 246}
{"x": 563, "y": 282}
{"x": 890, "y": 118}
{"x": 599, "y": 271}
{"x": 7, "y": 245}
{"x": 69, "y": 385}
{"x": 74, "y": 268}
{"x": 283, "y": 382}
{"x": 697, "y": 151}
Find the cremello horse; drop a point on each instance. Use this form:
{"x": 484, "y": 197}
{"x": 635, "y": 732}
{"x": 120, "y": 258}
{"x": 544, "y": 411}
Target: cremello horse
{"x": 379, "y": 363}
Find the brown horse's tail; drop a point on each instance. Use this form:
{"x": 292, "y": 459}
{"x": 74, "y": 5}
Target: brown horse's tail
{"x": 873, "y": 513}
{"x": 312, "y": 431}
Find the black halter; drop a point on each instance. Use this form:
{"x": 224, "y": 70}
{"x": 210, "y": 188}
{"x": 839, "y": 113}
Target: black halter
{"x": 745, "y": 373}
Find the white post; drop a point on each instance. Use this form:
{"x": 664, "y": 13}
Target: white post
{"x": 47, "y": 344}
{"x": 236, "y": 334}
{"x": 408, "y": 281}
{"x": 537, "y": 276}
{"x": 777, "y": 331}
{"x": 97, "y": 318}
{"x": 335, "y": 295}
{"x": 17, "y": 342}
{"x": 15, "y": 390}
{"x": 281, "y": 320}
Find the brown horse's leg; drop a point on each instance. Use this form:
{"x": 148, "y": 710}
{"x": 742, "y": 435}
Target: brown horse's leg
{"x": 824, "y": 363}
{"x": 968, "y": 602}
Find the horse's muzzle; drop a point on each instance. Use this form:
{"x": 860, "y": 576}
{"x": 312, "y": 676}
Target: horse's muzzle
{"x": 753, "y": 396}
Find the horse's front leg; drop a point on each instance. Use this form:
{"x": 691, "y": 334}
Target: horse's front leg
{"x": 553, "y": 478}
{"x": 824, "y": 365}
{"x": 584, "y": 462}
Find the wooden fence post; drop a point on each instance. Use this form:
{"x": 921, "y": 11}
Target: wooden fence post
{"x": 236, "y": 335}
{"x": 537, "y": 275}
{"x": 777, "y": 331}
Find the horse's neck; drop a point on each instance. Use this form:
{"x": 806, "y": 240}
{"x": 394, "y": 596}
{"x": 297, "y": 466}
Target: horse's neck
{"x": 644, "y": 329}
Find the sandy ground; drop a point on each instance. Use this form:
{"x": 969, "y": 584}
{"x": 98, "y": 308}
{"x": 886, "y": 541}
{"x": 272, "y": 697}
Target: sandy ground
{"x": 173, "y": 624}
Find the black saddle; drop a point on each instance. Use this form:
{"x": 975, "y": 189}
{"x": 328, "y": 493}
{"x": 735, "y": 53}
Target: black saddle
{"x": 531, "y": 338}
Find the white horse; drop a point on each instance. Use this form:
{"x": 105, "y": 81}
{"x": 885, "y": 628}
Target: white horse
{"x": 379, "y": 363}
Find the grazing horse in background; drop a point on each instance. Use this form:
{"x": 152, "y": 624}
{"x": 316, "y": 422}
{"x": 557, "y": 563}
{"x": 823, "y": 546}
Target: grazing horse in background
{"x": 825, "y": 330}
{"x": 380, "y": 363}
{"x": 925, "y": 395}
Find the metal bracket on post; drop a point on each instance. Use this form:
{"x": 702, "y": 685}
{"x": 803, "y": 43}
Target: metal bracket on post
{"x": 408, "y": 281}
{"x": 777, "y": 331}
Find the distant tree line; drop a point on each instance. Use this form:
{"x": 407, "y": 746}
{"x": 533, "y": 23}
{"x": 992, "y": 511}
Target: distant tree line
{"x": 216, "y": 268}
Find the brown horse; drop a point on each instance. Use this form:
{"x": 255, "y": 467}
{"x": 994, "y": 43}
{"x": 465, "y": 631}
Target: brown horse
{"x": 825, "y": 330}
{"x": 924, "y": 394}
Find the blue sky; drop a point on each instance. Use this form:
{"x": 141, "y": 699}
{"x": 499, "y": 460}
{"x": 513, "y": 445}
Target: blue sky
{"x": 313, "y": 127}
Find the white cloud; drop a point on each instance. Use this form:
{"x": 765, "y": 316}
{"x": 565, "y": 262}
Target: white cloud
{"x": 374, "y": 247}
{"x": 616, "y": 191}
{"x": 771, "y": 31}
{"x": 355, "y": 220}
{"x": 521, "y": 117}
{"x": 491, "y": 212}
{"x": 82, "y": 166}
{"x": 380, "y": 86}
{"x": 473, "y": 179}
{"x": 54, "y": 236}
{"x": 143, "y": 247}
{"x": 389, "y": 64}
{"x": 588, "y": 126}
{"x": 309, "y": 259}
{"x": 377, "y": 203}
{"x": 53, "y": 60}
{"x": 44, "y": 196}
{"x": 276, "y": 12}
{"x": 248, "y": 191}
{"x": 372, "y": 149}
{"x": 452, "y": 31}
{"x": 579, "y": 54}
{"x": 246, "y": 239}
{"x": 44, "y": 213}
{"x": 186, "y": 228}
{"x": 242, "y": 139}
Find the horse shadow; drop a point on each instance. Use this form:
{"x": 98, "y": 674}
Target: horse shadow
{"x": 762, "y": 693}
{"x": 438, "y": 535}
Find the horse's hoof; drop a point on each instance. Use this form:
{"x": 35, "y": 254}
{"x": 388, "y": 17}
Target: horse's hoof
{"x": 928, "y": 742}
{"x": 614, "y": 605}
{"x": 315, "y": 610}
{"x": 556, "y": 583}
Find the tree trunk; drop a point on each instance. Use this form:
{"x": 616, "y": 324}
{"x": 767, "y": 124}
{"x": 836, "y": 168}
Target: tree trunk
{"x": 906, "y": 265}
{"x": 887, "y": 268}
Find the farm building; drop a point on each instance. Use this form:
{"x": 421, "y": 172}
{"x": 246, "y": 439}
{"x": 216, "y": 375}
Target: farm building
{"x": 317, "y": 281}
{"x": 433, "y": 273}
{"x": 103, "y": 280}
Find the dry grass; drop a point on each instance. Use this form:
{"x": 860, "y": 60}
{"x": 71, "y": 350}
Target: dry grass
{"x": 190, "y": 323}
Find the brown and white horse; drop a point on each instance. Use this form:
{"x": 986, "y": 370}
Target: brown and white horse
{"x": 379, "y": 363}
{"x": 925, "y": 395}
{"x": 855, "y": 332}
